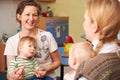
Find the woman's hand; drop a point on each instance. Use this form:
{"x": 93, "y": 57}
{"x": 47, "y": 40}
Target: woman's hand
{"x": 42, "y": 72}
{"x": 18, "y": 74}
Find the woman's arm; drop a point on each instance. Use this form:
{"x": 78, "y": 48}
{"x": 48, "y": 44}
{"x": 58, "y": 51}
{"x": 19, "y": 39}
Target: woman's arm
{"x": 14, "y": 73}
{"x": 17, "y": 74}
{"x": 9, "y": 58}
{"x": 56, "y": 63}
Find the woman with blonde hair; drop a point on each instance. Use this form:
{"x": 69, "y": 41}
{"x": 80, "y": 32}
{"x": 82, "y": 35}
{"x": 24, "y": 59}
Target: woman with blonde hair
{"x": 101, "y": 25}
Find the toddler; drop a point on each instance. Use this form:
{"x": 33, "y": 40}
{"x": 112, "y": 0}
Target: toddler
{"x": 78, "y": 53}
{"x": 26, "y": 60}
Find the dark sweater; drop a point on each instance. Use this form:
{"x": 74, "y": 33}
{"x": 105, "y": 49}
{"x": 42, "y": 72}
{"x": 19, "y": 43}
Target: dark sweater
{"x": 101, "y": 67}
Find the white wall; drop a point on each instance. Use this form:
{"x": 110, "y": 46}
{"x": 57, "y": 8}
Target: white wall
{"x": 8, "y": 23}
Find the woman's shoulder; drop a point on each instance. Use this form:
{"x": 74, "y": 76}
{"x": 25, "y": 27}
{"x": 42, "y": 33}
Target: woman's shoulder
{"x": 14, "y": 37}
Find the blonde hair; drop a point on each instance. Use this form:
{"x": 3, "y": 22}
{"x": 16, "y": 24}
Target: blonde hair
{"x": 84, "y": 48}
{"x": 25, "y": 39}
{"x": 79, "y": 52}
{"x": 107, "y": 15}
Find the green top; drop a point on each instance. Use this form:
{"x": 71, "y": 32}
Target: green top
{"x": 30, "y": 65}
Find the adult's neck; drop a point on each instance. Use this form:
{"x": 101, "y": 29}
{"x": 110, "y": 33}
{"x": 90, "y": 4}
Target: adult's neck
{"x": 31, "y": 33}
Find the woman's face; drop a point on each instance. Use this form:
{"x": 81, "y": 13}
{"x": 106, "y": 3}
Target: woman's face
{"x": 88, "y": 26}
{"x": 29, "y": 18}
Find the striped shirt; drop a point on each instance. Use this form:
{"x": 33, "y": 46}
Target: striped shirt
{"x": 30, "y": 66}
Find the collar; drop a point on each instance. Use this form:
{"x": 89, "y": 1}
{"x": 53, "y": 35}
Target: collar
{"x": 107, "y": 47}
{"x": 94, "y": 43}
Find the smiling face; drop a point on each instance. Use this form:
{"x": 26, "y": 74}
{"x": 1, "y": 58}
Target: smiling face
{"x": 27, "y": 50}
{"x": 29, "y": 18}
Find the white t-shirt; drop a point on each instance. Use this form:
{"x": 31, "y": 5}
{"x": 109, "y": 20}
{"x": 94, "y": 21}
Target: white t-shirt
{"x": 46, "y": 45}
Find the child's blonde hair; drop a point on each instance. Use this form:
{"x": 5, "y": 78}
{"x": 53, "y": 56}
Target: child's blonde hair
{"x": 79, "y": 52}
{"x": 84, "y": 48}
{"x": 25, "y": 39}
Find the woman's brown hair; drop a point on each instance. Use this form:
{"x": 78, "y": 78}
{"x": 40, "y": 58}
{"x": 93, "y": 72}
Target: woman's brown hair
{"x": 25, "y": 3}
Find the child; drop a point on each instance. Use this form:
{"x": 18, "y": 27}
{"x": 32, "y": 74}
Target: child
{"x": 78, "y": 53}
{"x": 25, "y": 59}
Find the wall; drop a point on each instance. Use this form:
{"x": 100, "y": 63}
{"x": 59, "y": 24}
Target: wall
{"x": 72, "y": 8}
{"x": 75, "y": 10}
{"x": 8, "y": 22}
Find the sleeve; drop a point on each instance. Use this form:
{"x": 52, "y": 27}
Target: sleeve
{"x": 11, "y": 46}
{"x": 11, "y": 66}
{"x": 52, "y": 43}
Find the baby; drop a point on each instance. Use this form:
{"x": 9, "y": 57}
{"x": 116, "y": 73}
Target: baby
{"x": 25, "y": 60}
{"x": 78, "y": 53}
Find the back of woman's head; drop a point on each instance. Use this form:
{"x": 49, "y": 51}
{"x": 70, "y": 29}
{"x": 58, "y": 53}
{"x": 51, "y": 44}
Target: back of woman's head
{"x": 107, "y": 15}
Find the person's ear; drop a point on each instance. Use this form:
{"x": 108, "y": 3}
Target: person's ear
{"x": 18, "y": 17}
{"x": 71, "y": 61}
{"x": 20, "y": 48}
{"x": 74, "y": 61}
{"x": 95, "y": 27}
